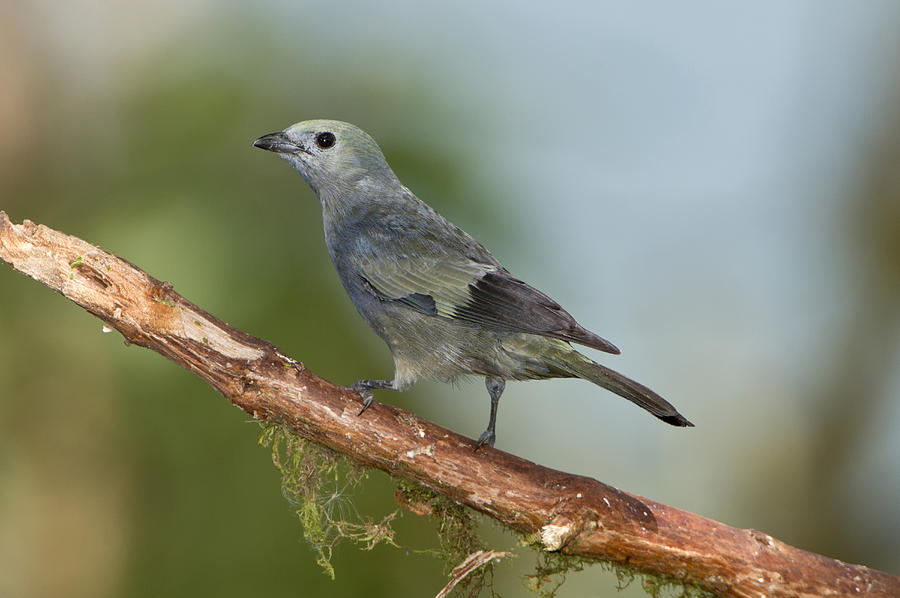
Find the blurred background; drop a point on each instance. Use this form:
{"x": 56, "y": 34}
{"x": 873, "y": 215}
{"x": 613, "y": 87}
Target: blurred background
{"x": 712, "y": 186}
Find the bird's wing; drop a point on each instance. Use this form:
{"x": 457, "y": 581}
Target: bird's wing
{"x": 478, "y": 293}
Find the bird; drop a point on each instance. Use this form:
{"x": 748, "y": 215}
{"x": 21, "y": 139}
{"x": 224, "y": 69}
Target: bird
{"x": 446, "y": 308}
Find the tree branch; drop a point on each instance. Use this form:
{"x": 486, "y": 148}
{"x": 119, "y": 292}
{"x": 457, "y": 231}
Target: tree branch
{"x": 572, "y": 514}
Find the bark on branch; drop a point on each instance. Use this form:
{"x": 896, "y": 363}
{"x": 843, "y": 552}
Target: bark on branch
{"x": 572, "y": 514}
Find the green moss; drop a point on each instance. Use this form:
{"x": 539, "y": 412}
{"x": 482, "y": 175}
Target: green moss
{"x": 550, "y": 572}
{"x": 317, "y": 481}
{"x": 552, "y": 568}
{"x": 457, "y": 525}
{"x": 78, "y": 261}
{"x": 654, "y": 585}
{"x": 457, "y": 528}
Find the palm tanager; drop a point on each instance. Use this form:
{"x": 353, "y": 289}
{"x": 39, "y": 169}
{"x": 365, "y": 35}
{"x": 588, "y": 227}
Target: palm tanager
{"x": 442, "y": 303}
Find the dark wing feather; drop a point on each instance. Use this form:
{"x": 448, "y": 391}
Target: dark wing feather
{"x": 499, "y": 300}
{"x": 483, "y": 294}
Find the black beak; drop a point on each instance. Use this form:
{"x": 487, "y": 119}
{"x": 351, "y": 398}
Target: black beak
{"x": 276, "y": 142}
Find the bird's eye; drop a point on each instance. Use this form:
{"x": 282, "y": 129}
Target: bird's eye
{"x": 325, "y": 140}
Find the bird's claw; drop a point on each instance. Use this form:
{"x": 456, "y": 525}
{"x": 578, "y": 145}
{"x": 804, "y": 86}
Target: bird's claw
{"x": 487, "y": 437}
{"x": 368, "y": 399}
{"x": 367, "y": 395}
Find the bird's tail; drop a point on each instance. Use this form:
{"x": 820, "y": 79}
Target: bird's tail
{"x": 582, "y": 367}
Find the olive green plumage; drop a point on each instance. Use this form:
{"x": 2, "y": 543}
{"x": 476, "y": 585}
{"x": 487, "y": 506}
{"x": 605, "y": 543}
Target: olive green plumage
{"x": 445, "y": 307}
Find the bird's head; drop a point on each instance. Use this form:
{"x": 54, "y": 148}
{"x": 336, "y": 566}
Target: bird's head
{"x": 334, "y": 157}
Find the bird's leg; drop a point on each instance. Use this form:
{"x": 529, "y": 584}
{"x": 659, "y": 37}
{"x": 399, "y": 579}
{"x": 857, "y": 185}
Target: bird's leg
{"x": 495, "y": 388}
{"x": 365, "y": 388}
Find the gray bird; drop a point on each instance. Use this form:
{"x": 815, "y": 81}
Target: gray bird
{"x": 442, "y": 303}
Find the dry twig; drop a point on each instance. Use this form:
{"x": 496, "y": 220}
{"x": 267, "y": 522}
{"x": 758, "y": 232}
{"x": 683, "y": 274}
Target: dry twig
{"x": 469, "y": 564}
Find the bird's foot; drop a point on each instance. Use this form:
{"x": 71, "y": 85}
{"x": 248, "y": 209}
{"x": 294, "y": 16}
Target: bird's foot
{"x": 487, "y": 437}
{"x": 368, "y": 399}
{"x": 365, "y": 392}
